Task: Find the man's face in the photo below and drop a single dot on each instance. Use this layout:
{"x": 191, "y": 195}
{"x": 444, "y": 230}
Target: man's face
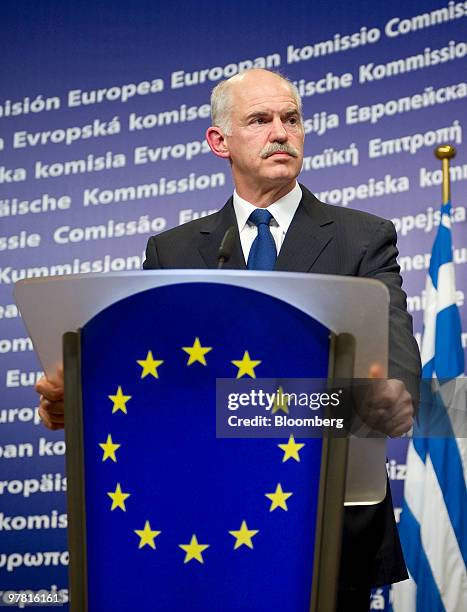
{"x": 266, "y": 144}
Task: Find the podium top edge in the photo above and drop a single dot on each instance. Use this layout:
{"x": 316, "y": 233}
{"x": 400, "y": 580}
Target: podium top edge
{"x": 201, "y": 275}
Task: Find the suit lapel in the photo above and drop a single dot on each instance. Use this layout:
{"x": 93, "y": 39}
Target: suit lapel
{"x": 213, "y": 233}
{"x": 309, "y": 234}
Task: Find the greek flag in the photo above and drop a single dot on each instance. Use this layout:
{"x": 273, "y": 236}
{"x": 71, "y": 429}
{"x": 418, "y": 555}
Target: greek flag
{"x": 433, "y": 525}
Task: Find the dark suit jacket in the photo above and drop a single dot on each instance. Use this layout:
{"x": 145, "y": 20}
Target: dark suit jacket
{"x": 328, "y": 240}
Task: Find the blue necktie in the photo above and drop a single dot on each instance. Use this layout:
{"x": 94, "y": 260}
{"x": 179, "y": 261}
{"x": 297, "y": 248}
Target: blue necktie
{"x": 263, "y": 252}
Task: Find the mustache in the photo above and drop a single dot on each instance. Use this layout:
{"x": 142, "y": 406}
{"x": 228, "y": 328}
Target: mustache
{"x": 278, "y": 147}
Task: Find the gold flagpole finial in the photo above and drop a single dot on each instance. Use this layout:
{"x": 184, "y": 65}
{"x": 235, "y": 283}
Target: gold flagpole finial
{"x": 445, "y": 153}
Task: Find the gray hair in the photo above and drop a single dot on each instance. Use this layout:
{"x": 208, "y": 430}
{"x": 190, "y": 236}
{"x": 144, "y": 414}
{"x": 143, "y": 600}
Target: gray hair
{"x": 221, "y": 100}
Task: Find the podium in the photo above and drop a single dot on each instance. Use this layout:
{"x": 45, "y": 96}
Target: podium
{"x": 163, "y": 513}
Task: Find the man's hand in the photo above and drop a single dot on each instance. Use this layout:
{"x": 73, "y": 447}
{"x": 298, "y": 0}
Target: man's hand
{"x": 386, "y": 406}
{"x": 51, "y": 400}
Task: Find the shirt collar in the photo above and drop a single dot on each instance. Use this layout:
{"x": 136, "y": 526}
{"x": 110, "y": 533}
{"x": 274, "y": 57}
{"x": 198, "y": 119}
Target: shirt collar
{"x": 282, "y": 210}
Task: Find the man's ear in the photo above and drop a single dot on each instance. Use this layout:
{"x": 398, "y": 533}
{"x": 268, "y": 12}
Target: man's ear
{"x": 216, "y": 141}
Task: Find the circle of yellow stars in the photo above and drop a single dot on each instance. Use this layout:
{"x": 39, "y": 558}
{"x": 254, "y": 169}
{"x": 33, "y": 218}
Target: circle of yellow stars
{"x": 243, "y": 536}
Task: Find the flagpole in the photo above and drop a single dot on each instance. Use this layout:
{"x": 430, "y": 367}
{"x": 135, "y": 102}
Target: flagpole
{"x": 445, "y": 153}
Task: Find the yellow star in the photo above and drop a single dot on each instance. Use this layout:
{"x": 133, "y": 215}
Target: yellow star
{"x": 291, "y": 449}
{"x": 147, "y": 536}
{"x": 246, "y": 365}
{"x": 118, "y": 498}
{"x": 280, "y": 402}
{"x": 193, "y": 550}
{"x": 149, "y": 365}
{"x": 196, "y": 352}
{"x": 109, "y": 449}
{"x": 119, "y": 401}
{"x": 243, "y": 536}
{"x": 278, "y": 498}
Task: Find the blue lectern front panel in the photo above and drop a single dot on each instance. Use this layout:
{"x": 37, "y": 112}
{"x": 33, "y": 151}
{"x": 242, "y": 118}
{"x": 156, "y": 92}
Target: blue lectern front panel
{"x": 176, "y": 518}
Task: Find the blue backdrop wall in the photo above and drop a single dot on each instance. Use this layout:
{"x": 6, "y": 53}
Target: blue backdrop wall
{"x": 103, "y": 109}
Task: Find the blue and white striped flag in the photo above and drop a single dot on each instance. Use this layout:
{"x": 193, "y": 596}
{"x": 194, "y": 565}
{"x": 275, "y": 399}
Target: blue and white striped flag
{"x": 433, "y": 525}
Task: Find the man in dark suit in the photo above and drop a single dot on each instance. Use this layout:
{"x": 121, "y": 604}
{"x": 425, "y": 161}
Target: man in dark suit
{"x": 258, "y": 128}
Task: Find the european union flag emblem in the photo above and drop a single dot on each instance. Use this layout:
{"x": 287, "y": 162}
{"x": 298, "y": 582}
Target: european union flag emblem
{"x": 175, "y": 518}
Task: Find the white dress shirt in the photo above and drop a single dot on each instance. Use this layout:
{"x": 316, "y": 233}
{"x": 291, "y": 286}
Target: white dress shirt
{"x": 282, "y": 212}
